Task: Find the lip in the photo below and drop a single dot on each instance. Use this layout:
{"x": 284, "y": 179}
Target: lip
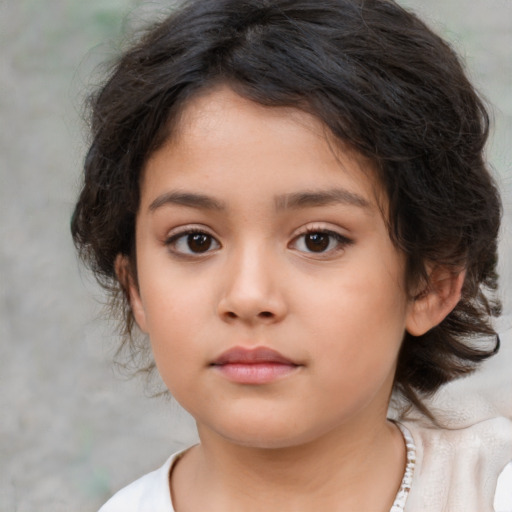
{"x": 260, "y": 365}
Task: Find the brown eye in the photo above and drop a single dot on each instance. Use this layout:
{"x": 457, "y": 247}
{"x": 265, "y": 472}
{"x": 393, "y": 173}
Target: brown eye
{"x": 189, "y": 243}
{"x": 317, "y": 242}
{"x": 320, "y": 242}
{"x": 199, "y": 242}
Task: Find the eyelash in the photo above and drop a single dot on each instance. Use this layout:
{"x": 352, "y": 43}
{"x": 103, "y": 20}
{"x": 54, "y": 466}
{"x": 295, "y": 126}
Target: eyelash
{"x": 341, "y": 241}
{"x": 172, "y": 241}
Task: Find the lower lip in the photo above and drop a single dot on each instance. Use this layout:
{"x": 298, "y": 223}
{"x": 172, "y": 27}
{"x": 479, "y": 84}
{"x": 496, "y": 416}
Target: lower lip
{"x": 255, "y": 373}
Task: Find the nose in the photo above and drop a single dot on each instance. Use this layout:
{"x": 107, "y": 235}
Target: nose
{"x": 252, "y": 291}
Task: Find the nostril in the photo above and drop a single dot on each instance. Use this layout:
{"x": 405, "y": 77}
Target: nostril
{"x": 266, "y": 314}
{"x": 230, "y": 314}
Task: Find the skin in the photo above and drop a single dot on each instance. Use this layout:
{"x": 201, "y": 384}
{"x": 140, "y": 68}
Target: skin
{"x": 243, "y": 175}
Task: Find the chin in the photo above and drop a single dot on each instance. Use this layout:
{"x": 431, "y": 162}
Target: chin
{"x": 263, "y": 442}
{"x": 268, "y": 435}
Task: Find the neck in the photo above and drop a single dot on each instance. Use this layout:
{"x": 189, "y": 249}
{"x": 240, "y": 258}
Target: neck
{"x": 331, "y": 473}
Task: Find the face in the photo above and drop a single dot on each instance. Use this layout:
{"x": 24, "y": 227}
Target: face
{"x": 271, "y": 292}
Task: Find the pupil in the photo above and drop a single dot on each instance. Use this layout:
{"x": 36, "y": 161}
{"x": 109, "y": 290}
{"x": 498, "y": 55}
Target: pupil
{"x": 317, "y": 242}
{"x": 199, "y": 242}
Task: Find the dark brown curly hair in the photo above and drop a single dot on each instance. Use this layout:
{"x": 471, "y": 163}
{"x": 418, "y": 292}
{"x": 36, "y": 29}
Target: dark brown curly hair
{"x": 379, "y": 79}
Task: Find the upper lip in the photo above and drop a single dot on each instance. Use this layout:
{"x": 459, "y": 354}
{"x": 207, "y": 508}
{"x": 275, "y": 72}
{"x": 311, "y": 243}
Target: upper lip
{"x": 242, "y": 355}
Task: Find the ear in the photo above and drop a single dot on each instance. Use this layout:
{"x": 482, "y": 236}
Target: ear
{"x": 438, "y": 298}
{"x": 127, "y": 280}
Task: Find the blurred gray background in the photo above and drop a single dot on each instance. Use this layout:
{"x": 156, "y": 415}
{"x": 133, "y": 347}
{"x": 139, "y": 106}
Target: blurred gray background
{"x": 72, "y": 430}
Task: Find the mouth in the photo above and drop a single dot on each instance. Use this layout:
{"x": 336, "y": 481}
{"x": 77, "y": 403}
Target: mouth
{"x": 260, "y": 365}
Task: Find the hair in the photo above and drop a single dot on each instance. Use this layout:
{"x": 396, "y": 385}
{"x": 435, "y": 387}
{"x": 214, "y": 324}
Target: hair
{"x": 380, "y": 80}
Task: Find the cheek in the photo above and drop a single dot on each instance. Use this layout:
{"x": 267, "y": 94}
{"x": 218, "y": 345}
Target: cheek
{"x": 172, "y": 319}
{"x": 171, "y": 295}
{"x": 359, "y": 305}
{"x": 361, "y": 323}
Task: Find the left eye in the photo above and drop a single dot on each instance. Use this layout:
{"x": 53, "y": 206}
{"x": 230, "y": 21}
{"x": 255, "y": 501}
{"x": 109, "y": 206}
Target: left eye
{"x": 320, "y": 242}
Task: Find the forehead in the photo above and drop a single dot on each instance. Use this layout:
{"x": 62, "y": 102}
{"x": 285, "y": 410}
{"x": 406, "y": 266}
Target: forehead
{"x": 222, "y": 134}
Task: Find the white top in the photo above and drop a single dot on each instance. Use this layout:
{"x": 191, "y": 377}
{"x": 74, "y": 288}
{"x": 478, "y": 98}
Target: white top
{"x": 468, "y": 469}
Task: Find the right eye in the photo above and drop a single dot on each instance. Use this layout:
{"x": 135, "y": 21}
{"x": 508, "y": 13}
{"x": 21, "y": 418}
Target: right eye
{"x": 192, "y": 242}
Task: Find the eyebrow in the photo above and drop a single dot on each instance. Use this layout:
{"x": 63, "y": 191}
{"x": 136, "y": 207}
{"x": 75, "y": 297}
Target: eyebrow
{"x": 308, "y": 199}
{"x": 295, "y": 200}
{"x": 190, "y": 199}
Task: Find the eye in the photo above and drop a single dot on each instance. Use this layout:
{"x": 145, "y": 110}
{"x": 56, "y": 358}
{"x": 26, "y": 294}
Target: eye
{"x": 192, "y": 242}
{"x": 320, "y": 241}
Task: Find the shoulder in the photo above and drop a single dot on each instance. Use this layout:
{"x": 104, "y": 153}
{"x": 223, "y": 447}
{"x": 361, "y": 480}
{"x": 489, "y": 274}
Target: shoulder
{"x": 503, "y": 496}
{"x": 480, "y": 439}
{"x": 150, "y": 492}
{"x": 462, "y": 468}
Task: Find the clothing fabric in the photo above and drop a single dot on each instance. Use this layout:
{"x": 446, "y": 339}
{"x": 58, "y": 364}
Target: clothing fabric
{"x": 459, "y": 469}
{"x": 467, "y": 469}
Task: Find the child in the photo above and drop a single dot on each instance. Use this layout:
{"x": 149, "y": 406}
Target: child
{"x": 289, "y": 198}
